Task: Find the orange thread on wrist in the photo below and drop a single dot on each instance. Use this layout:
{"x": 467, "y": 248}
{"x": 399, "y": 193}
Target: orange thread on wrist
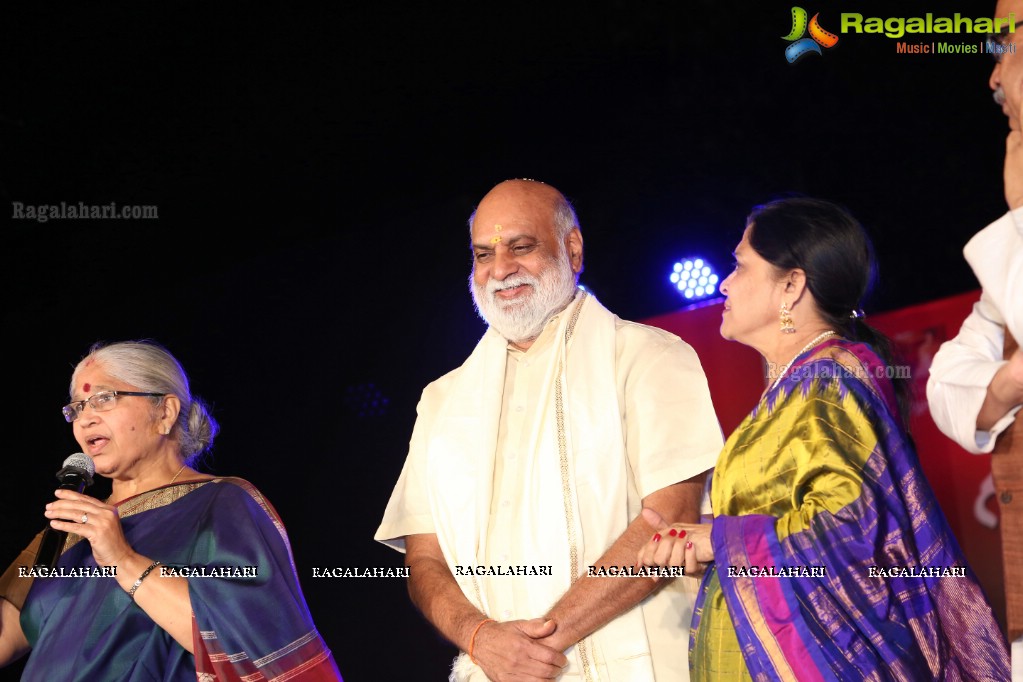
{"x": 472, "y": 639}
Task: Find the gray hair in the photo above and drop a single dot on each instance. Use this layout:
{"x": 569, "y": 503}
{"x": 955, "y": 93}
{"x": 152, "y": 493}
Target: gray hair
{"x": 151, "y": 367}
{"x": 564, "y": 217}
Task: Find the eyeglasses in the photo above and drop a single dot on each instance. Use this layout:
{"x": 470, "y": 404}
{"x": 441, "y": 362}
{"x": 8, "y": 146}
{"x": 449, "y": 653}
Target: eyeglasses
{"x": 101, "y": 402}
{"x": 997, "y": 44}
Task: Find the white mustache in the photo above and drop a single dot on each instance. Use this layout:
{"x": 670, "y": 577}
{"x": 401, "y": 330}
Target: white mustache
{"x": 494, "y": 285}
{"x": 998, "y": 96}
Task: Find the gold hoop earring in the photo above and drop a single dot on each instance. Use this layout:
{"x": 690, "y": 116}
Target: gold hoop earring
{"x": 785, "y": 317}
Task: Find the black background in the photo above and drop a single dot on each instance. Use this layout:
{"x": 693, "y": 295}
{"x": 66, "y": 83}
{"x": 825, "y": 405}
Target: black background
{"x": 313, "y": 168}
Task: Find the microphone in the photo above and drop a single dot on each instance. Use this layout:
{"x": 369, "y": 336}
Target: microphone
{"x": 76, "y": 475}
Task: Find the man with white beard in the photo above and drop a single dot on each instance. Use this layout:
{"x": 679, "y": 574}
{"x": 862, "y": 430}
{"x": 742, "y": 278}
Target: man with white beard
{"x": 518, "y": 505}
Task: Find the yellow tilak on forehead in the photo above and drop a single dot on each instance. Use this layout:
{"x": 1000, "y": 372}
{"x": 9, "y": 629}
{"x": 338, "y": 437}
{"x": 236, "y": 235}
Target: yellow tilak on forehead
{"x": 497, "y": 239}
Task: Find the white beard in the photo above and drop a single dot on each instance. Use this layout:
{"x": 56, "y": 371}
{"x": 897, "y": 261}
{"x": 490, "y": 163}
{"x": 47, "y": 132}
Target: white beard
{"x": 523, "y": 318}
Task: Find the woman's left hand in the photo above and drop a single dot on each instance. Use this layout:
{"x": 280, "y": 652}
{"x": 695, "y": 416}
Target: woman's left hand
{"x": 678, "y": 544}
{"x": 93, "y": 520}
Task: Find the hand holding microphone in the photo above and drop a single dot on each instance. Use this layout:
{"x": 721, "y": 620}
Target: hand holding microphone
{"x": 92, "y": 519}
{"x": 75, "y": 475}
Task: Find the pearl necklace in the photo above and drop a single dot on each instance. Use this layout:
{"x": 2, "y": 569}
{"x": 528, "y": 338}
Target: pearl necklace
{"x": 814, "y": 342}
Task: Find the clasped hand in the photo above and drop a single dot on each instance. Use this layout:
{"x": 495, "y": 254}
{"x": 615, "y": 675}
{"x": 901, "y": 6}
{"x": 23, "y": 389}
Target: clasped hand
{"x": 677, "y": 544}
{"x": 101, "y": 527}
{"x": 513, "y": 650}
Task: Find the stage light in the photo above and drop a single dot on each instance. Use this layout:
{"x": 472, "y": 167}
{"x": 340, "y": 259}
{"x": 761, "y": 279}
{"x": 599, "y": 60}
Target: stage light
{"x": 694, "y": 278}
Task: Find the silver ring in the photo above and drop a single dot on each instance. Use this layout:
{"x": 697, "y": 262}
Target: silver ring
{"x": 85, "y": 518}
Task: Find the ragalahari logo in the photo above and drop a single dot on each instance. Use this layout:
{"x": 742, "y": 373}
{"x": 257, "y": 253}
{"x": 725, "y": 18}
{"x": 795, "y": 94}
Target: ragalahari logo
{"x": 803, "y": 46}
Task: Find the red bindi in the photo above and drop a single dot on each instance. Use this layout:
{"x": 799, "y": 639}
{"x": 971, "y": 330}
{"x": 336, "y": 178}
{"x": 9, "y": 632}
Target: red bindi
{"x": 86, "y": 387}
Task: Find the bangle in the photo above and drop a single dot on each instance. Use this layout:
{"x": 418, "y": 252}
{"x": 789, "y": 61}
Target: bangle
{"x": 135, "y": 586}
{"x": 472, "y": 639}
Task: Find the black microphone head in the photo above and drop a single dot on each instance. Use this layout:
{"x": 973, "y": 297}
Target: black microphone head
{"x": 80, "y": 464}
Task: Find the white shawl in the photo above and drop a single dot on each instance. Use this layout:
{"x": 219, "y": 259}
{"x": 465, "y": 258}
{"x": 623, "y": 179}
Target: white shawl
{"x": 577, "y": 504}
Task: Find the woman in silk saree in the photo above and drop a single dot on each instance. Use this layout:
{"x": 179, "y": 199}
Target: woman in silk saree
{"x": 828, "y": 557}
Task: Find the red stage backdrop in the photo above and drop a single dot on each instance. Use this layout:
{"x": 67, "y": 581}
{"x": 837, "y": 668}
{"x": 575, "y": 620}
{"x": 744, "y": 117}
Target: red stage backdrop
{"x": 961, "y": 481}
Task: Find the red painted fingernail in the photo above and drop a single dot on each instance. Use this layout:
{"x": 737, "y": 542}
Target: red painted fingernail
{"x": 681, "y": 533}
{"x": 657, "y": 537}
{"x": 672, "y": 532}
{"x": 689, "y": 545}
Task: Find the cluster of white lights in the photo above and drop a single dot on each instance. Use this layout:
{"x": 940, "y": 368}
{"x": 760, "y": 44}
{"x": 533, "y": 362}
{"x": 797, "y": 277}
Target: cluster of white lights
{"x": 694, "y": 278}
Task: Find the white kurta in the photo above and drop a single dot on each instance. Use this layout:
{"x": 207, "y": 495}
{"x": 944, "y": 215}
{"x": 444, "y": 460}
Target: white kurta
{"x": 486, "y": 473}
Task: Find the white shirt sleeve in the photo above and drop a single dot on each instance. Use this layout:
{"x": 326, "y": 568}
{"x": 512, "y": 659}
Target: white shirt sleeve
{"x": 671, "y": 430}
{"x": 960, "y": 374}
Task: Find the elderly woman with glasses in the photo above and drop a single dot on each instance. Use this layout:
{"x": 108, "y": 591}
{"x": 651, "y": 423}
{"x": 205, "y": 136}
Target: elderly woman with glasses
{"x": 188, "y": 575}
